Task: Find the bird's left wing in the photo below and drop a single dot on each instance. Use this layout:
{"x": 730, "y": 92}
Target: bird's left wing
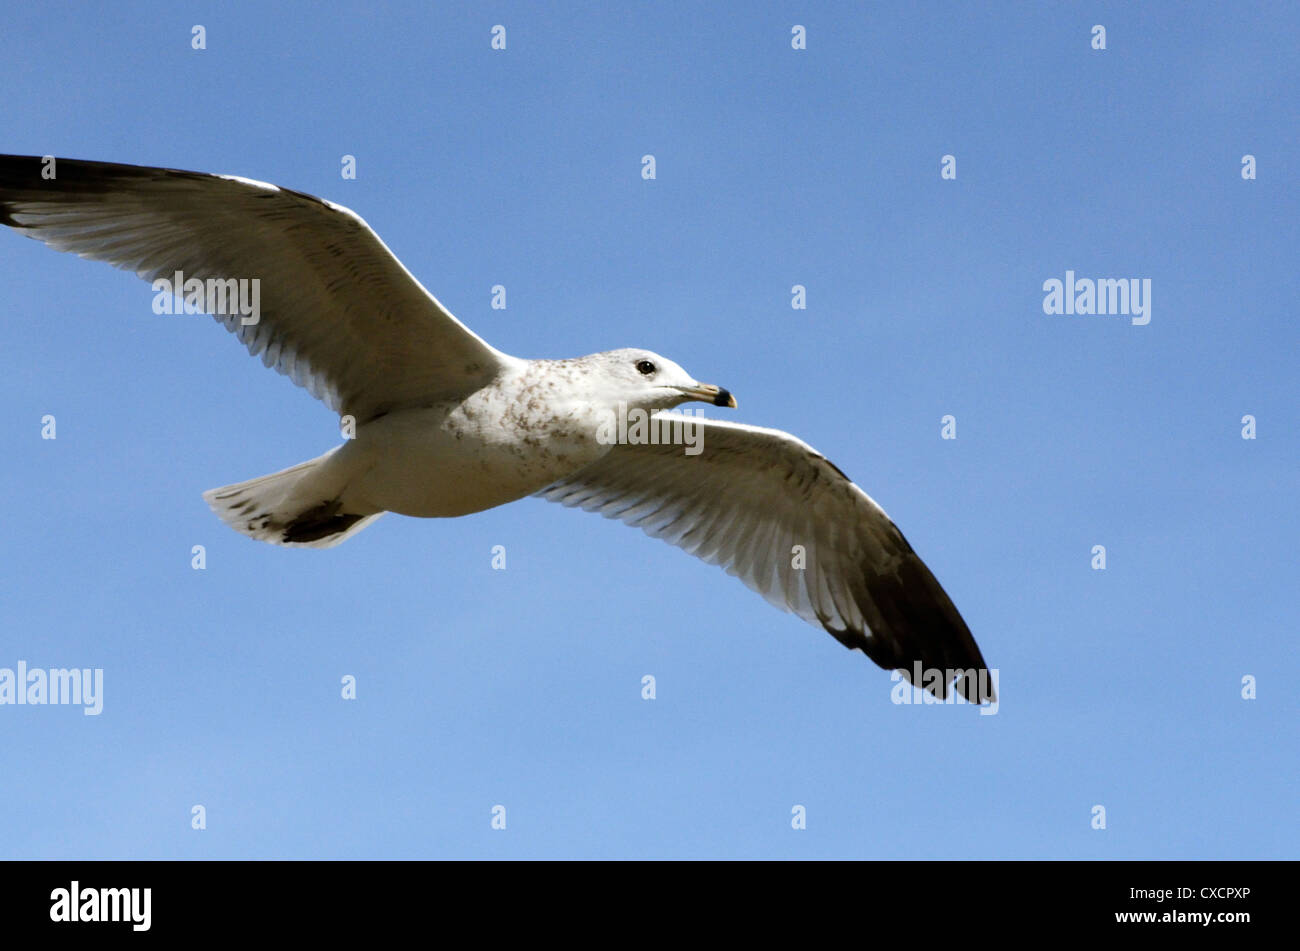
{"x": 777, "y": 514}
{"x": 339, "y": 314}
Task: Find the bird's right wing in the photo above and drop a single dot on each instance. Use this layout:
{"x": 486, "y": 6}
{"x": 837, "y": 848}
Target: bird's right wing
{"x": 339, "y": 314}
{"x": 777, "y": 514}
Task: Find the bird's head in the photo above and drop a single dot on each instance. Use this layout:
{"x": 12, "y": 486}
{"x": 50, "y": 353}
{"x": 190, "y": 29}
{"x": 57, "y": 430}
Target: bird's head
{"x": 645, "y": 380}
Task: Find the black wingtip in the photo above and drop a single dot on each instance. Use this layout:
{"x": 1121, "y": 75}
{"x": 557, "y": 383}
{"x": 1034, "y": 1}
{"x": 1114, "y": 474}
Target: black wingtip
{"x": 914, "y": 628}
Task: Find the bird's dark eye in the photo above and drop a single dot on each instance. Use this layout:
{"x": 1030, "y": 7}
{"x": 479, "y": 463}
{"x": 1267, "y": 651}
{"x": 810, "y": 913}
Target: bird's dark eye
{"x": 645, "y": 366}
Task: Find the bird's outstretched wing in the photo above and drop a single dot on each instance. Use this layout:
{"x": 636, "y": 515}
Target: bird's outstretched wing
{"x": 339, "y": 314}
{"x": 747, "y": 499}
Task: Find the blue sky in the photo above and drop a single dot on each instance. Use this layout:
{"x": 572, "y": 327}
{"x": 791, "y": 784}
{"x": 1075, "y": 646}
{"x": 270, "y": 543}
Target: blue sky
{"x": 775, "y": 167}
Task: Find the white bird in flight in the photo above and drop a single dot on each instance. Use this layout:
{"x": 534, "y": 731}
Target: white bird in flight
{"x": 446, "y": 424}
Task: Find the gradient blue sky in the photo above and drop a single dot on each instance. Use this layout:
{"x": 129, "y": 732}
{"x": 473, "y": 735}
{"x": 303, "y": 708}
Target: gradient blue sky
{"x": 775, "y": 167}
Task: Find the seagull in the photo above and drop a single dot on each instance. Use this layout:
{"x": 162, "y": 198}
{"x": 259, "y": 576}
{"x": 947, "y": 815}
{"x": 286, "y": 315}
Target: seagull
{"x": 442, "y": 424}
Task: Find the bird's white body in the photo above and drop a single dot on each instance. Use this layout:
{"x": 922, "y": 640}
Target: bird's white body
{"x": 503, "y": 442}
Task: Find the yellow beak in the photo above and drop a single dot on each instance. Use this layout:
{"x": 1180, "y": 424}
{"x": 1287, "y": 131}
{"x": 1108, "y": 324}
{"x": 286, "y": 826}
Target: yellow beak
{"x": 708, "y": 393}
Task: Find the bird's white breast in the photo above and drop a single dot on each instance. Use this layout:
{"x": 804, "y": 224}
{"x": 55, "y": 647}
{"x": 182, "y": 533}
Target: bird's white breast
{"x": 504, "y": 442}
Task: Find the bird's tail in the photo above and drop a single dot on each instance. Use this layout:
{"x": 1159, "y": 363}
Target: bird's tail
{"x": 300, "y": 507}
